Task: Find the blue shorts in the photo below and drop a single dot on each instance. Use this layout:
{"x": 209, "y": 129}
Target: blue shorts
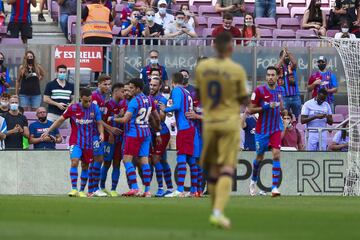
{"x": 98, "y": 146}
{"x": 197, "y": 144}
{"x": 30, "y": 101}
{"x": 264, "y": 141}
{"x": 108, "y": 151}
{"x": 85, "y": 155}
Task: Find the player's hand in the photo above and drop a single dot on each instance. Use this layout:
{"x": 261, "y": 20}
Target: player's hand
{"x": 121, "y": 113}
{"x": 116, "y": 131}
{"x": 158, "y": 140}
{"x": 273, "y": 104}
{"x": 191, "y": 115}
{"x": 162, "y": 106}
{"x": 317, "y": 82}
{"x": 61, "y": 106}
{"x": 101, "y": 137}
{"x": 111, "y": 139}
{"x": 45, "y": 134}
{"x": 47, "y": 139}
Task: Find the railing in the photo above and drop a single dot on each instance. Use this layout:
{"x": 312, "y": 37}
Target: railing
{"x": 320, "y": 131}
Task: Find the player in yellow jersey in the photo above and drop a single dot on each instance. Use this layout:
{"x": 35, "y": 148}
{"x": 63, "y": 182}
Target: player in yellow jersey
{"x": 222, "y": 88}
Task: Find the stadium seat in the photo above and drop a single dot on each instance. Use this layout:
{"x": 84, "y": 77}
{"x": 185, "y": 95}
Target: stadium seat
{"x": 55, "y": 9}
{"x": 250, "y": 9}
{"x": 11, "y": 41}
{"x": 71, "y": 22}
{"x": 288, "y": 23}
{"x": 331, "y": 33}
{"x": 238, "y": 22}
{"x": 202, "y": 24}
{"x": 342, "y": 109}
{"x": 294, "y": 3}
{"x": 282, "y": 12}
{"x": 199, "y": 3}
{"x": 266, "y": 33}
{"x": 283, "y": 33}
{"x": 215, "y": 22}
{"x": 297, "y": 12}
{"x": 207, "y": 32}
{"x": 116, "y": 31}
{"x": 265, "y": 22}
{"x": 30, "y": 115}
{"x": 208, "y": 11}
{"x": 119, "y": 8}
{"x": 305, "y": 33}
{"x": 338, "y": 118}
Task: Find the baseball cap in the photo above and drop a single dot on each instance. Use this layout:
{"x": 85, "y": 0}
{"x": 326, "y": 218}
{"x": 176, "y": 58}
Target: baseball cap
{"x": 322, "y": 58}
{"x": 162, "y": 2}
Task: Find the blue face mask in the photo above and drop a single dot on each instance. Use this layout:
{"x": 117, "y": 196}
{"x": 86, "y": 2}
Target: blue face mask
{"x": 14, "y": 107}
{"x": 62, "y": 76}
{"x": 131, "y": 5}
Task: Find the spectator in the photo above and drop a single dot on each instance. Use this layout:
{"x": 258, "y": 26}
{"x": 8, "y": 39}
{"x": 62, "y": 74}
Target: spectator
{"x": 39, "y": 127}
{"x": 316, "y": 113}
{"x": 97, "y": 23}
{"x": 168, "y": 2}
{"x": 265, "y": 8}
{"x": 58, "y": 94}
{"x": 248, "y": 123}
{"x": 250, "y": 31}
{"x": 180, "y": 30}
{"x": 290, "y": 136}
{"x": 287, "y": 66}
{"x": 340, "y": 141}
{"x": 4, "y": 103}
{"x": 152, "y": 29}
{"x": 27, "y": 85}
{"x": 132, "y": 28}
{"x": 227, "y": 27}
{"x": 154, "y": 72}
{"x": 162, "y": 17}
{"x": 2, "y": 13}
{"x": 323, "y": 79}
{"x": 126, "y": 11}
{"x": 314, "y": 18}
{"x": 191, "y": 89}
{"x": 3, "y": 131}
{"x": 344, "y": 32}
{"x": 67, "y": 8}
{"x": 142, "y": 5}
{"x": 190, "y": 17}
{"x": 20, "y": 23}
{"x": 145, "y": 72}
{"x": 17, "y": 126}
{"x": 345, "y": 10}
{"x": 235, "y": 7}
{"x": 4, "y": 75}
{"x": 40, "y": 15}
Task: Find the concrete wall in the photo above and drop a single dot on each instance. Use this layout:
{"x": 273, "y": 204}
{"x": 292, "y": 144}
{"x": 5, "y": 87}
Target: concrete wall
{"x": 47, "y": 172}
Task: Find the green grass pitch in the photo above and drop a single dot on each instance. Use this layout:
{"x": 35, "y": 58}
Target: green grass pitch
{"x": 290, "y": 218}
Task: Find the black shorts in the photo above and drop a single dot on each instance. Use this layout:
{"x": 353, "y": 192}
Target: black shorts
{"x": 15, "y": 28}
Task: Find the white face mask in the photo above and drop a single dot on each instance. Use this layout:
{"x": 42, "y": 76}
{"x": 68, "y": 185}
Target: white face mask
{"x": 166, "y": 95}
{"x": 248, "y": 23}
{"x": 180, "y": 22}
{"x": 345, "y": 30}
{"x": 162, "y": 11}
{"x": 4, "y": 104}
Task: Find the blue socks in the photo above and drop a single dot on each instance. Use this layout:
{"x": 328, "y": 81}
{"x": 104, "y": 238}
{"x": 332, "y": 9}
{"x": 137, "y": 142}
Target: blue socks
{"x": 181, "y": 168}
{"x": 74, "y": 177}
{"x": 276, "y": 170}
{"x": 84, "y": 178}
{"x": 255, "y": 173}
{"x": 146, "y": 172}
{"x": 159, "y": 174}
{"x": 103, "y": 176}
{"x": 131, "y": 174}
{"x": 115, "y": 178}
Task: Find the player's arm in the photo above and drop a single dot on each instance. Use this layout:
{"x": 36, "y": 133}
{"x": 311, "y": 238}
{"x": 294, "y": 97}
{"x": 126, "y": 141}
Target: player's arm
{"x": 100, "y": 126}
{"x": 110, "y": 129}
{"x": 255, "y": 106}
{"x": 155, "y": 121}
{"x": 125, "y": 119}
{"x": 329, "y": 119}
{"x": 54, "y": 126}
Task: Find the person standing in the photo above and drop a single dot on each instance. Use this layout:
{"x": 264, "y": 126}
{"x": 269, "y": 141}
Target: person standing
{"x": 27, "y": 85}
{"x": 265, "y": 8}
{"x": 67, "y": 8}
{"x": 235, "y": 7}
{"x": 58, "y": 94}
{"x": 221, "y": 100}
{"x": 4, "y": 75}
{"x": 162, "y": 17}
{"x": 248, "y": 125}
{"x": 266, "y": 100}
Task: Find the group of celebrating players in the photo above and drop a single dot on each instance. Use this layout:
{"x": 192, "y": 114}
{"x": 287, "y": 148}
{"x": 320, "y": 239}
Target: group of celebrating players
{"x": 130, "y": 127}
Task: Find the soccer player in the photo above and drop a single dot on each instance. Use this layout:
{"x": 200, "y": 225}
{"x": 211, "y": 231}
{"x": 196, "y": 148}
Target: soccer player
{"x": 158, "y": 151}
{"x": 113, "y": 143}
{"x": 222, "y": 89}
{"x": 267, "y": 101}
{"x": 182, "y": 103}
{"x": 138, "y": 137}
{"x": 84, "y": 117}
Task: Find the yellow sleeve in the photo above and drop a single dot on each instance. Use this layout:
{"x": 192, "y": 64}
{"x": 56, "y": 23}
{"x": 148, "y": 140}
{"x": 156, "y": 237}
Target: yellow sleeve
{"x": 197, "y": 76}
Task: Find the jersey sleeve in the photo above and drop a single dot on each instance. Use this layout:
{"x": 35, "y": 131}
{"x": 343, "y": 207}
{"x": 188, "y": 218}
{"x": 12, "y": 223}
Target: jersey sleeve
{"x": 242, "y": 84}
{"x": 108, "y": 112}
{"x": 256, "y": 97}
{"x": 312, "y": 79}
{"x": 25, "y": 121}
{"x": 68, "y": 112}
{"x": 97, "y": 113}
{"x": 132, "y": 107}
{"x": 333, "y": 79}
{"x": 305, "y": 110}
{"x": 176, "y": 99}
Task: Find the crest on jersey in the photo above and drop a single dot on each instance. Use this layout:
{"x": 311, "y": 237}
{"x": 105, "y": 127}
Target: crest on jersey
{"x": 253, "y": 96}
{"x": 95, "y": 102}
{"x": 156, "y": 102}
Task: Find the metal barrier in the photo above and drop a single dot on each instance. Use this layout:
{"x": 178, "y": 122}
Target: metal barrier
{"x": 320, "y": 131}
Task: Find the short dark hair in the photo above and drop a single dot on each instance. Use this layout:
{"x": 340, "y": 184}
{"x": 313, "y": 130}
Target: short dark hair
{"x": 153, "y": 50}
{"x": 60, "y": 66}
{"x": 138, "y": 82}
{"x": 222, "y": 40}
{"x": 178, "y": 78}
{"x": 323, "y": 91}
{"x": 184, "y": 70}
{"x": 103, "y": 78}
{"x": 116, "y": 86}
{"x": 5, "y": 95}
{"x": 272, "y": 68}
{"x": 228, "y": 16}
{"x": 154, "y": 70}
{"x": 179, "y": 13}
{"x": 85, "y": 92}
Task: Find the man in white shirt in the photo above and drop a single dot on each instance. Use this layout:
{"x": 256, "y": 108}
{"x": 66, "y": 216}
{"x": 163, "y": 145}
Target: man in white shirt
{"x": 180, "y": 30}
{"x": 316, "y": 113}
{"x": 162, "y": 17}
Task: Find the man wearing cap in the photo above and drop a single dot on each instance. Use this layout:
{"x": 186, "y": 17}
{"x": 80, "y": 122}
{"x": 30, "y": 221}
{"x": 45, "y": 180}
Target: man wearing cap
{"x": 323, "y": 79}
{"x": 162, "y": 17}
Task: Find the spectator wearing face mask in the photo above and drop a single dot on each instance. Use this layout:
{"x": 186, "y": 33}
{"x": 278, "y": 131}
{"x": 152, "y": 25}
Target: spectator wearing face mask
{"x": 27, "y": 85}
{"x": 191, "y": 89}
{"x": 126, "y": 11}
{"x": 290, "y": 136}
{"x": 162, "y": 17}
{"x": 17, "y": 126}
{"x": 132, "y": 28}
{"x": 344, "y": 33}
{"x": 316, "y": 113}
{"x": 249, "y": 31}
{"x": 145, "y": 72}
{"x": 152, "y": 29}
{"x": 4, "y": 103}
{"x": 4, "y": 75}
{"x": 39, "y": 127}
{"x": 227, "y": 27}
{"x": 325, "y": 79}
{"x": 180, "y": 30}
{"x": 340, "y": 141}
{"x": 190, "y": 17}
{"x": 58, "y": 94}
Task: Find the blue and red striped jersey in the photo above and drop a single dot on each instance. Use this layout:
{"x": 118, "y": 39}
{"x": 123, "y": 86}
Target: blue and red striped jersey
{"x": 160, "y": 99}
{"x": 290, "y": 89}
{"x": 182, "y": 102}
{"x": 113, "y": 108}
{"x": 20, "y": 12}
{"x": 328, "y": 81}
{"x": 140, "y": 107}
{"x": 269, "y": 120}
{"x": 83, "y": 122}
{"x": 99, "y": 99}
